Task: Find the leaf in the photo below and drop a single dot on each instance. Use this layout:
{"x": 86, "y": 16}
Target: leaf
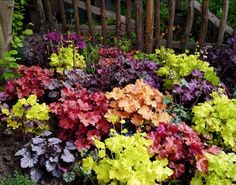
{"x": 35, "y": 174}
{"x": 67, "y": 156}
{"x": 50, "y": 166}
{"x": 69, "y": 176}
{"x": 27, "y": 32}
{"x": 21, "y": 152}
{"x": 37, "y": 140}
{"x": 28, "y": 162}
{"x": 40, "y": 150}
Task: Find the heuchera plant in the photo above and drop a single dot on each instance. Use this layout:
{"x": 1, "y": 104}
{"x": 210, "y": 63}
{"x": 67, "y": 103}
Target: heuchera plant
{"x": 33, "y": 81}
{"x": 126, "y": 160}
{"x": 28, "y": 115}
{"x": 45, "y": 153}
{"x": 193, "y": 88}
{"x": 180, "y": 144}
{"x": 138, "y": 102}
{"x": 174, "y": 67}
{"x": 67, "y": 58}
{"x": 217, "y": 119}
{"x": 81, "y": 112}
{"x": 221, "y": 170}
{"x": 39, "y": 49}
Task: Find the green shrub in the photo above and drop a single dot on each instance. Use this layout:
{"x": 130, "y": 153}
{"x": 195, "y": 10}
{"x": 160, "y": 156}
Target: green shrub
{"x": 16, "y": 179}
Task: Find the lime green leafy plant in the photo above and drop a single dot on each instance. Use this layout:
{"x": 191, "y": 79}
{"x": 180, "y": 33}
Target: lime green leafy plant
{"x": 221, "y": 170}
{"x": 176, "y": 66}
{"x": 28, "y": 115}
{"x": 217, "y": 119}
{"x": 67, "y": 58}
{"x": 127, "y": 162}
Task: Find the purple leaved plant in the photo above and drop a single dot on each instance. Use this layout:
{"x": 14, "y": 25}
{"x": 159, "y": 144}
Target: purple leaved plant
{"x": 193, "y": 89}
{"x": 45, "y": 153}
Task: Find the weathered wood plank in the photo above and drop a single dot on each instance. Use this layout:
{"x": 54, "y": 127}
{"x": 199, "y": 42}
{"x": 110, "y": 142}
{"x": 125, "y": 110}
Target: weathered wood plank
{"x": 90, "y": 20}
{"x": 103, "y": 18}
{"x": 63, "y": 16}
{"x": 128, "y": 17}
{"x": 157, "y": 23}
{"x": 204, "y": 23}
{"x": 213, "y": 18}
{"x": 189, "y": 23}
{"x": 223, "y": 22}
{"x": 149, "y": 26}
{"x": 96, "y": 10}
{"x": 76, "y": 12}
{"x": 139, "y": 24}
{"x": 118, "y": 18}
{"x": 171, "y": 4}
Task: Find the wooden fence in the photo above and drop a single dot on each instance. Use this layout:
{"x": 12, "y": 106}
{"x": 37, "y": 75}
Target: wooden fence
{"x": 147, "y": 28}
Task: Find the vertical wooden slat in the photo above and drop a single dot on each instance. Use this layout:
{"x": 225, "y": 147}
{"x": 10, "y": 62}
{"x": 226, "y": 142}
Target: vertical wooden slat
{"x": 204, "y": 23}
{"x": 76, "y": 13}
{"x": 189, "y": 23}
{"x": 149, "y": 26}
{"x": 128, "y": 17}
{"x": 157, "y": 23}
{"x": 41, "y": 14}
{"x": 118, "y": 18}
{"x": 139, "y": 23}
{"x": 170, "y": 22}
{"x": 223, "y": 22}
{"x": 48, "y": 11}
{"x": 63, "y": 16}
{"x": 103, "y": 17}
{"x": 90, "y": 20}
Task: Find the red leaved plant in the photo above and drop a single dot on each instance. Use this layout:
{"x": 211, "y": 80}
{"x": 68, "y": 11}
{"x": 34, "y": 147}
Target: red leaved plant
{"x": 81, "y": 112}
{"x": 182, "y": 146}
{"x": 32, "y": 81}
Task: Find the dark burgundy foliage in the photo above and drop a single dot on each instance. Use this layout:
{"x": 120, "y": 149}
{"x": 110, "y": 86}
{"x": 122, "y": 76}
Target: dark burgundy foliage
{"x": 223, "y": 59}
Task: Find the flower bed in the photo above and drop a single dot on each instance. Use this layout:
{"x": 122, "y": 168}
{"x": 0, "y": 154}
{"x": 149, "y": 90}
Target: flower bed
{"x": 105, "y": 116}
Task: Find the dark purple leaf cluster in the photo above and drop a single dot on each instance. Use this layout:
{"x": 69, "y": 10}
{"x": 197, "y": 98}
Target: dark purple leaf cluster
{"x": 48, "y": 153}
{"x": 193, "y": 88}
{"x": 224, "y": 61}
{"x": 39, "y": 48}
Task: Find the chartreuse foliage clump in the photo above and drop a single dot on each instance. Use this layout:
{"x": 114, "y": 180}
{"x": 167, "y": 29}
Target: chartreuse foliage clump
{"x": 176, "y": 66}
{"x": 217, "y": 119}
{"x": 67, "y": 58}
{"x": 28, "y": 115}
{"x": 221, "y": 170}
{"x": 126, "y": 160}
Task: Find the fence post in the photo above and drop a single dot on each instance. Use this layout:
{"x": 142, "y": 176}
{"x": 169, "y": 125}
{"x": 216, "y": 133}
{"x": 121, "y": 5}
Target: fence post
{"x": 90, "y": 20}
{"x": 103, "y": 17}
{"x": 139, "y": 23}
{"x": 204, "y": 23}
{"x": 48, "y": 11}
{"x": 189, "y": 23}
{"x": 63, "y": 16}
{"x": 171, "y": 4}
{"x": 118, "y": 18}
{"x": 76, "y": 13}
{"x": 223, "y": 22}
{"x": 149, "y": 26}
{"x": 157, "y": 23}
{"x": 128, "y": 17}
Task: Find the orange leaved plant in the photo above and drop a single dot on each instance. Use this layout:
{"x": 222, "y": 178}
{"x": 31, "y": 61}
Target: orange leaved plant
{"x": 138, "y": 102}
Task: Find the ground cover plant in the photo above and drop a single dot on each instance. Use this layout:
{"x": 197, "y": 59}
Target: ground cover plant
{"x": 102, "y": 115}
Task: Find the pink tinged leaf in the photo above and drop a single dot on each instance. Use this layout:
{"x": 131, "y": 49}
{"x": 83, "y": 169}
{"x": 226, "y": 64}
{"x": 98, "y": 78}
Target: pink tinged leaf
{"x": 66, "y": 123}
{"x": 214, "y": 150}
{"x": 202, "y": 164}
